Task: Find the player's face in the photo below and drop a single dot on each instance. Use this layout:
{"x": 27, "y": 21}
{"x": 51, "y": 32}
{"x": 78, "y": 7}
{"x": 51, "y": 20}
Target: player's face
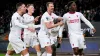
{"x": 23, "y": 8}
{"x": 73, "y": 7}
{"x": 31, "y": 9}
{"x": 51, "y": 7}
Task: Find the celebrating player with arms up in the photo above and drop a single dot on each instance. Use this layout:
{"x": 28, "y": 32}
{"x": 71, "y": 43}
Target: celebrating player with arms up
{"x": 73, "y": 20}
{"x": 30, "y": 38}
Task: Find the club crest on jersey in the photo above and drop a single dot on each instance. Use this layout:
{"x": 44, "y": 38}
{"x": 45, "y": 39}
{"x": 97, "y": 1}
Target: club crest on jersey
{"x": 47, "y": 18}
{"x": 17, "y": 18}
{"x": 77, "y": 15}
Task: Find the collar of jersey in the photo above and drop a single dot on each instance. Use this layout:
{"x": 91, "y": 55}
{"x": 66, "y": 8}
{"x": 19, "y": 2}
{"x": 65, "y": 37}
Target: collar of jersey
{"x": 71, "y": 12}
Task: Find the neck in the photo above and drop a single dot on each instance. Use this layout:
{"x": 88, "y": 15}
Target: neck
{"x": 20, "y": 13}
{"x": 29, "y": 13}
{"x": 71, "y": 12}
{"x": 49, "y": 12}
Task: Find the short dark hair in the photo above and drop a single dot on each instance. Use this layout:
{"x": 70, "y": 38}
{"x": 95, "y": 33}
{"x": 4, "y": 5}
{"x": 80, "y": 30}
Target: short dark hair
{"x": 19, "y": 4}
{"x": 47, "y": 4}
{"x": 69, "y": 4}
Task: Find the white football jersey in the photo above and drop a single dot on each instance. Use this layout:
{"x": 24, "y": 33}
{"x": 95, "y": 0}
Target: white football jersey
{"x": 29, "y": 20}
{"x": 16, "y": 24}
{"x": 47, "y": 18}
{"x": 74, "y": 22}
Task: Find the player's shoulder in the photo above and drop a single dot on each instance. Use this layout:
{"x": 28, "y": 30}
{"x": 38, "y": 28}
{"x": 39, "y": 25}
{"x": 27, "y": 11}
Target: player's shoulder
{"x": 45, "y": 15}
{"x": 15, "y": 15}
{"x": 53, "y": 14}
{"x": 66, "y": 14}
{"x": 25, "y": 15}
{"x": 78, "y": 13}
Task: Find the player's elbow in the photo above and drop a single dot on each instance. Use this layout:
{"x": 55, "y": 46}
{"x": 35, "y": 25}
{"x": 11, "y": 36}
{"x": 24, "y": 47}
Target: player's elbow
{"x": 16, "y": 24}
{"x": 87, "y": 22}
{"x": 49, "y": 27}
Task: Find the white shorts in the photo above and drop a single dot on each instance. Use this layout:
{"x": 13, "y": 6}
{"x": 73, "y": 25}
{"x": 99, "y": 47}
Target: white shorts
{"x": 9, "y": 47}
{"x": 30, "y": 40}
{"x": 44, "y": 39}
{"x": 77, "y": 40}
{"x": 53, "y": 39}
{"x": 16, "y": 42}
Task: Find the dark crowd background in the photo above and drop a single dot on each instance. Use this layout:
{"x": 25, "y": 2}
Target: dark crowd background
{"x": 90, "y": 9}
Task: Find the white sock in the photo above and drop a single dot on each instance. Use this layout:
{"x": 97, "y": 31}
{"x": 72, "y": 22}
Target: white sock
{"x": 75, "y": 55}
{"x": 7, "y": 55}
{"x": 27, "y": 54}
{"x": 49, "y": 54}
{"x": 38, "y": 53}
{"x": 21, "y": 55}
{"x": 44, "y": 54}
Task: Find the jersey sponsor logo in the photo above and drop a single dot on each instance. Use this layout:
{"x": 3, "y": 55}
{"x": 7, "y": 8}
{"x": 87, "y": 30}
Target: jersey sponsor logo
{"x": 74, "y": 21}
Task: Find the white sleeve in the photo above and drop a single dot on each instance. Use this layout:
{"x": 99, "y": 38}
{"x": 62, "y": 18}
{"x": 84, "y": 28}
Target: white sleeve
{"x": 37, "y": 26}
{"x": 17, "y": 23}
{"x": 27, "y": 19}
{"x": 64, "y": 19}
{"x": 60, "y": 31}
{"x": 86, "y": 21}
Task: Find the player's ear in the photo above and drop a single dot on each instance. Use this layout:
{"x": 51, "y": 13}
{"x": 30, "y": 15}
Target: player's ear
{"x": 69, "y": 7}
